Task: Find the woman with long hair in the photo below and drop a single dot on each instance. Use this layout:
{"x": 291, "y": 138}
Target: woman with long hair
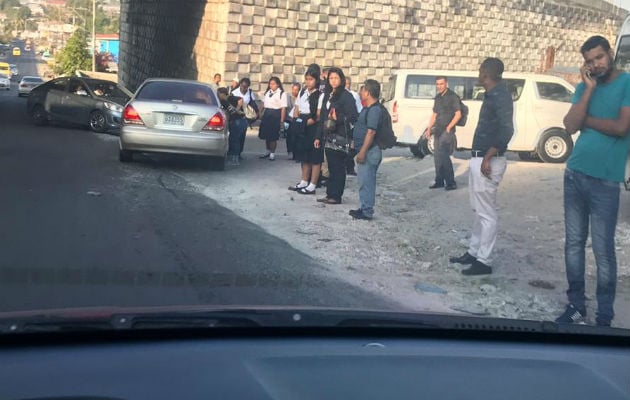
{"x": 274, "y": 112}
{"x": 304, "y": 128}
{"x": 338, "y": 114}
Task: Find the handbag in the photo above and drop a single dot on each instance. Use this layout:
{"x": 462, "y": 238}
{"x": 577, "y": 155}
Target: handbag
{"x": 250, "y": 113}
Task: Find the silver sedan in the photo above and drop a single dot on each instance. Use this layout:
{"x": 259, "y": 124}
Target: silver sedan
{"x": 174, "y": 116}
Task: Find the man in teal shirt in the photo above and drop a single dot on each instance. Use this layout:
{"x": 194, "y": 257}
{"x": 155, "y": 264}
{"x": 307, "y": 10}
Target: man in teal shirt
{"x": 601, "y": 112}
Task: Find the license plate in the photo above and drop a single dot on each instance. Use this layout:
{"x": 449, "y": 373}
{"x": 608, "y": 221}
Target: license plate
{"x": 174, "y": 119}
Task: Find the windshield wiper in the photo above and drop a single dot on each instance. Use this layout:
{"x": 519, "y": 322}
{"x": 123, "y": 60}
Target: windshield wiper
{"x": 285, "y": 317}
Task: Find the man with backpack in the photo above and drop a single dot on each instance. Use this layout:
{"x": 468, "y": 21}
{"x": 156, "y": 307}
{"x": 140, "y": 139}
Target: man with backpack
{"x": 370, "y": 122}
{"x": 447, "y": 111}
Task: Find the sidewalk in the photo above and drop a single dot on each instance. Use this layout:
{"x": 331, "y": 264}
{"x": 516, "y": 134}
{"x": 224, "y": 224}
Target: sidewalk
{"x": 403, "y": 253}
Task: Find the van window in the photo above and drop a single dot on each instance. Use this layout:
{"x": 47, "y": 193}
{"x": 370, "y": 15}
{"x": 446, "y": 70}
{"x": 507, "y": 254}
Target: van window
{"x": 420, "y": 87}
{"x": 553, "y": 91}
{"x": 515, "y": 87}
{"x": 458, "y": 85}
{"x": 622, "y": 58}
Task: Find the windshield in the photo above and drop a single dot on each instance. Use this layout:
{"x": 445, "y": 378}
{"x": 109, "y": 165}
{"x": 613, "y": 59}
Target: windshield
{"x": 107, "y": 89}
{"x": 241, "y": 159}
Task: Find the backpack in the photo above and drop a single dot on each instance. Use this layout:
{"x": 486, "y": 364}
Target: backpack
{"x": 385, "y": 138}
{"x": 464, "y": 110}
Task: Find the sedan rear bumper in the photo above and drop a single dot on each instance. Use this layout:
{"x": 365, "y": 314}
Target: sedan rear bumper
{"x": 138, "y": 138}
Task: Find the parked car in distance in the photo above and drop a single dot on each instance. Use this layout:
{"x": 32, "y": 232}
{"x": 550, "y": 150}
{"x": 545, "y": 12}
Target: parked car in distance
{"x": 540, "y": 104}
{"x": 93, "y": 102}
{"x": 5, "y": 82}
{"x": 14, "y": 69}
{"x": 175, "y": 116}
{"x": 27, "y": 84}
{"x": 17, "y": 51}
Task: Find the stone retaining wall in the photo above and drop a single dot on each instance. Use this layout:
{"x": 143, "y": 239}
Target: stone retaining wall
{"x": 260, "y": 38}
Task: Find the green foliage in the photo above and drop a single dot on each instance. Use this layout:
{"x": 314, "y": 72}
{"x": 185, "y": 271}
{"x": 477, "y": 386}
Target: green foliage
{"x": 74, "y": 56}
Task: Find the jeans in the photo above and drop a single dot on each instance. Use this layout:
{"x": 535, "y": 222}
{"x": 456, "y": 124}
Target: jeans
{"x": 444, "y": 142}
{"x": 483, "y": 200}
{"x": 337, "y": 174}
{"x": 238, "y": 128}
{"x": 596, "y": 199}
{"x": 366, "y": 174}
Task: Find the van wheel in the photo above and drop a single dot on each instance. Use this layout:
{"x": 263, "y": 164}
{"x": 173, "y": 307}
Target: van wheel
{"x": 555, "y": 146}
{"x": 426, "y": 146}
{"x": 415, "y": 150}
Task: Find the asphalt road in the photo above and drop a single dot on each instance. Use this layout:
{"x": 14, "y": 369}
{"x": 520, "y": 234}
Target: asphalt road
{"x": 80, "y": 229}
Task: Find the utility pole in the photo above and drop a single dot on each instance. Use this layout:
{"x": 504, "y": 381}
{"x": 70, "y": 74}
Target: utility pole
{"x": 93, "y": 35}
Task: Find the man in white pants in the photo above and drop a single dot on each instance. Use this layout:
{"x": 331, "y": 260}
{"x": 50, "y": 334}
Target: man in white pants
{"x": 487, "y": 165}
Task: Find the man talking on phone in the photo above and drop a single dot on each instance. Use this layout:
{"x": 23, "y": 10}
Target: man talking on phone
{"x": 601, "y": 112}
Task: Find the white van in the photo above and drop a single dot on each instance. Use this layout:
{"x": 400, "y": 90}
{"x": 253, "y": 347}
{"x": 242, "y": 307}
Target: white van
{"x": 540, "y": 104}
{"x": 622, "y": 60}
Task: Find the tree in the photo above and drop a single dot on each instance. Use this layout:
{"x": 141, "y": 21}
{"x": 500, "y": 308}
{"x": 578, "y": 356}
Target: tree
{"x": 74, "y": 56}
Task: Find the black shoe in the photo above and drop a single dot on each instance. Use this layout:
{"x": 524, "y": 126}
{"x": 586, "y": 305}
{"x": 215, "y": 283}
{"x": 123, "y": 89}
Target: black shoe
{"x": 306, "y": 191}
{"x": 358, "y": 214}
{"x": 477, "y": 268}
{"x": 436, "y": 186}
{"x": 571, "y": 316}
{"x": 265, "y": 156}
{"x": 450, "y": 187}
{"x": 465, "y": 259}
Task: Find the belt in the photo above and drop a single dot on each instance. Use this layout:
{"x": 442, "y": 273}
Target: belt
{"x": 482, "y": 153}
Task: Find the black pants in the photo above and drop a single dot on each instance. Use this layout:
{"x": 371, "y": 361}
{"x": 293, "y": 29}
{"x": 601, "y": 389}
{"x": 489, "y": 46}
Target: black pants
{"x": 337, "y": 168}
{"x": 443, "y": 146}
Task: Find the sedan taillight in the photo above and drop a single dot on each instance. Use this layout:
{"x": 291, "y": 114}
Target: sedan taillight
{"x": 131, "y": 116}
{"x": 216, "y": 123}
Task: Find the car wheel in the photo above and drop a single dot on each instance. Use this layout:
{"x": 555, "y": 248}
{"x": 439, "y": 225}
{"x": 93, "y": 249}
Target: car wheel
{"x": 217, "y": 163}
{"x": 98, "y": 123}
{"x": 125, "y": 156}
{"x": 555, "y": 146}
{"x": 39, "y": 115}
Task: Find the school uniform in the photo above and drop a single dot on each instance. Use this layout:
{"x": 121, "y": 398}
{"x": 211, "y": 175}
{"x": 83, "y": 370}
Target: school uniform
{"x": 274, "y": 102}
{"x": 305, "y": 135}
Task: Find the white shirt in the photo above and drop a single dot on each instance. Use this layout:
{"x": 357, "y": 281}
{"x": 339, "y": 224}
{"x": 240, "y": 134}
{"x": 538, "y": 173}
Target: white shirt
{"x": 357, "y": 99}
{"x": 303, "y": 104}
{"x": 247, "y": 98}
{"x": 275, "y": 100}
